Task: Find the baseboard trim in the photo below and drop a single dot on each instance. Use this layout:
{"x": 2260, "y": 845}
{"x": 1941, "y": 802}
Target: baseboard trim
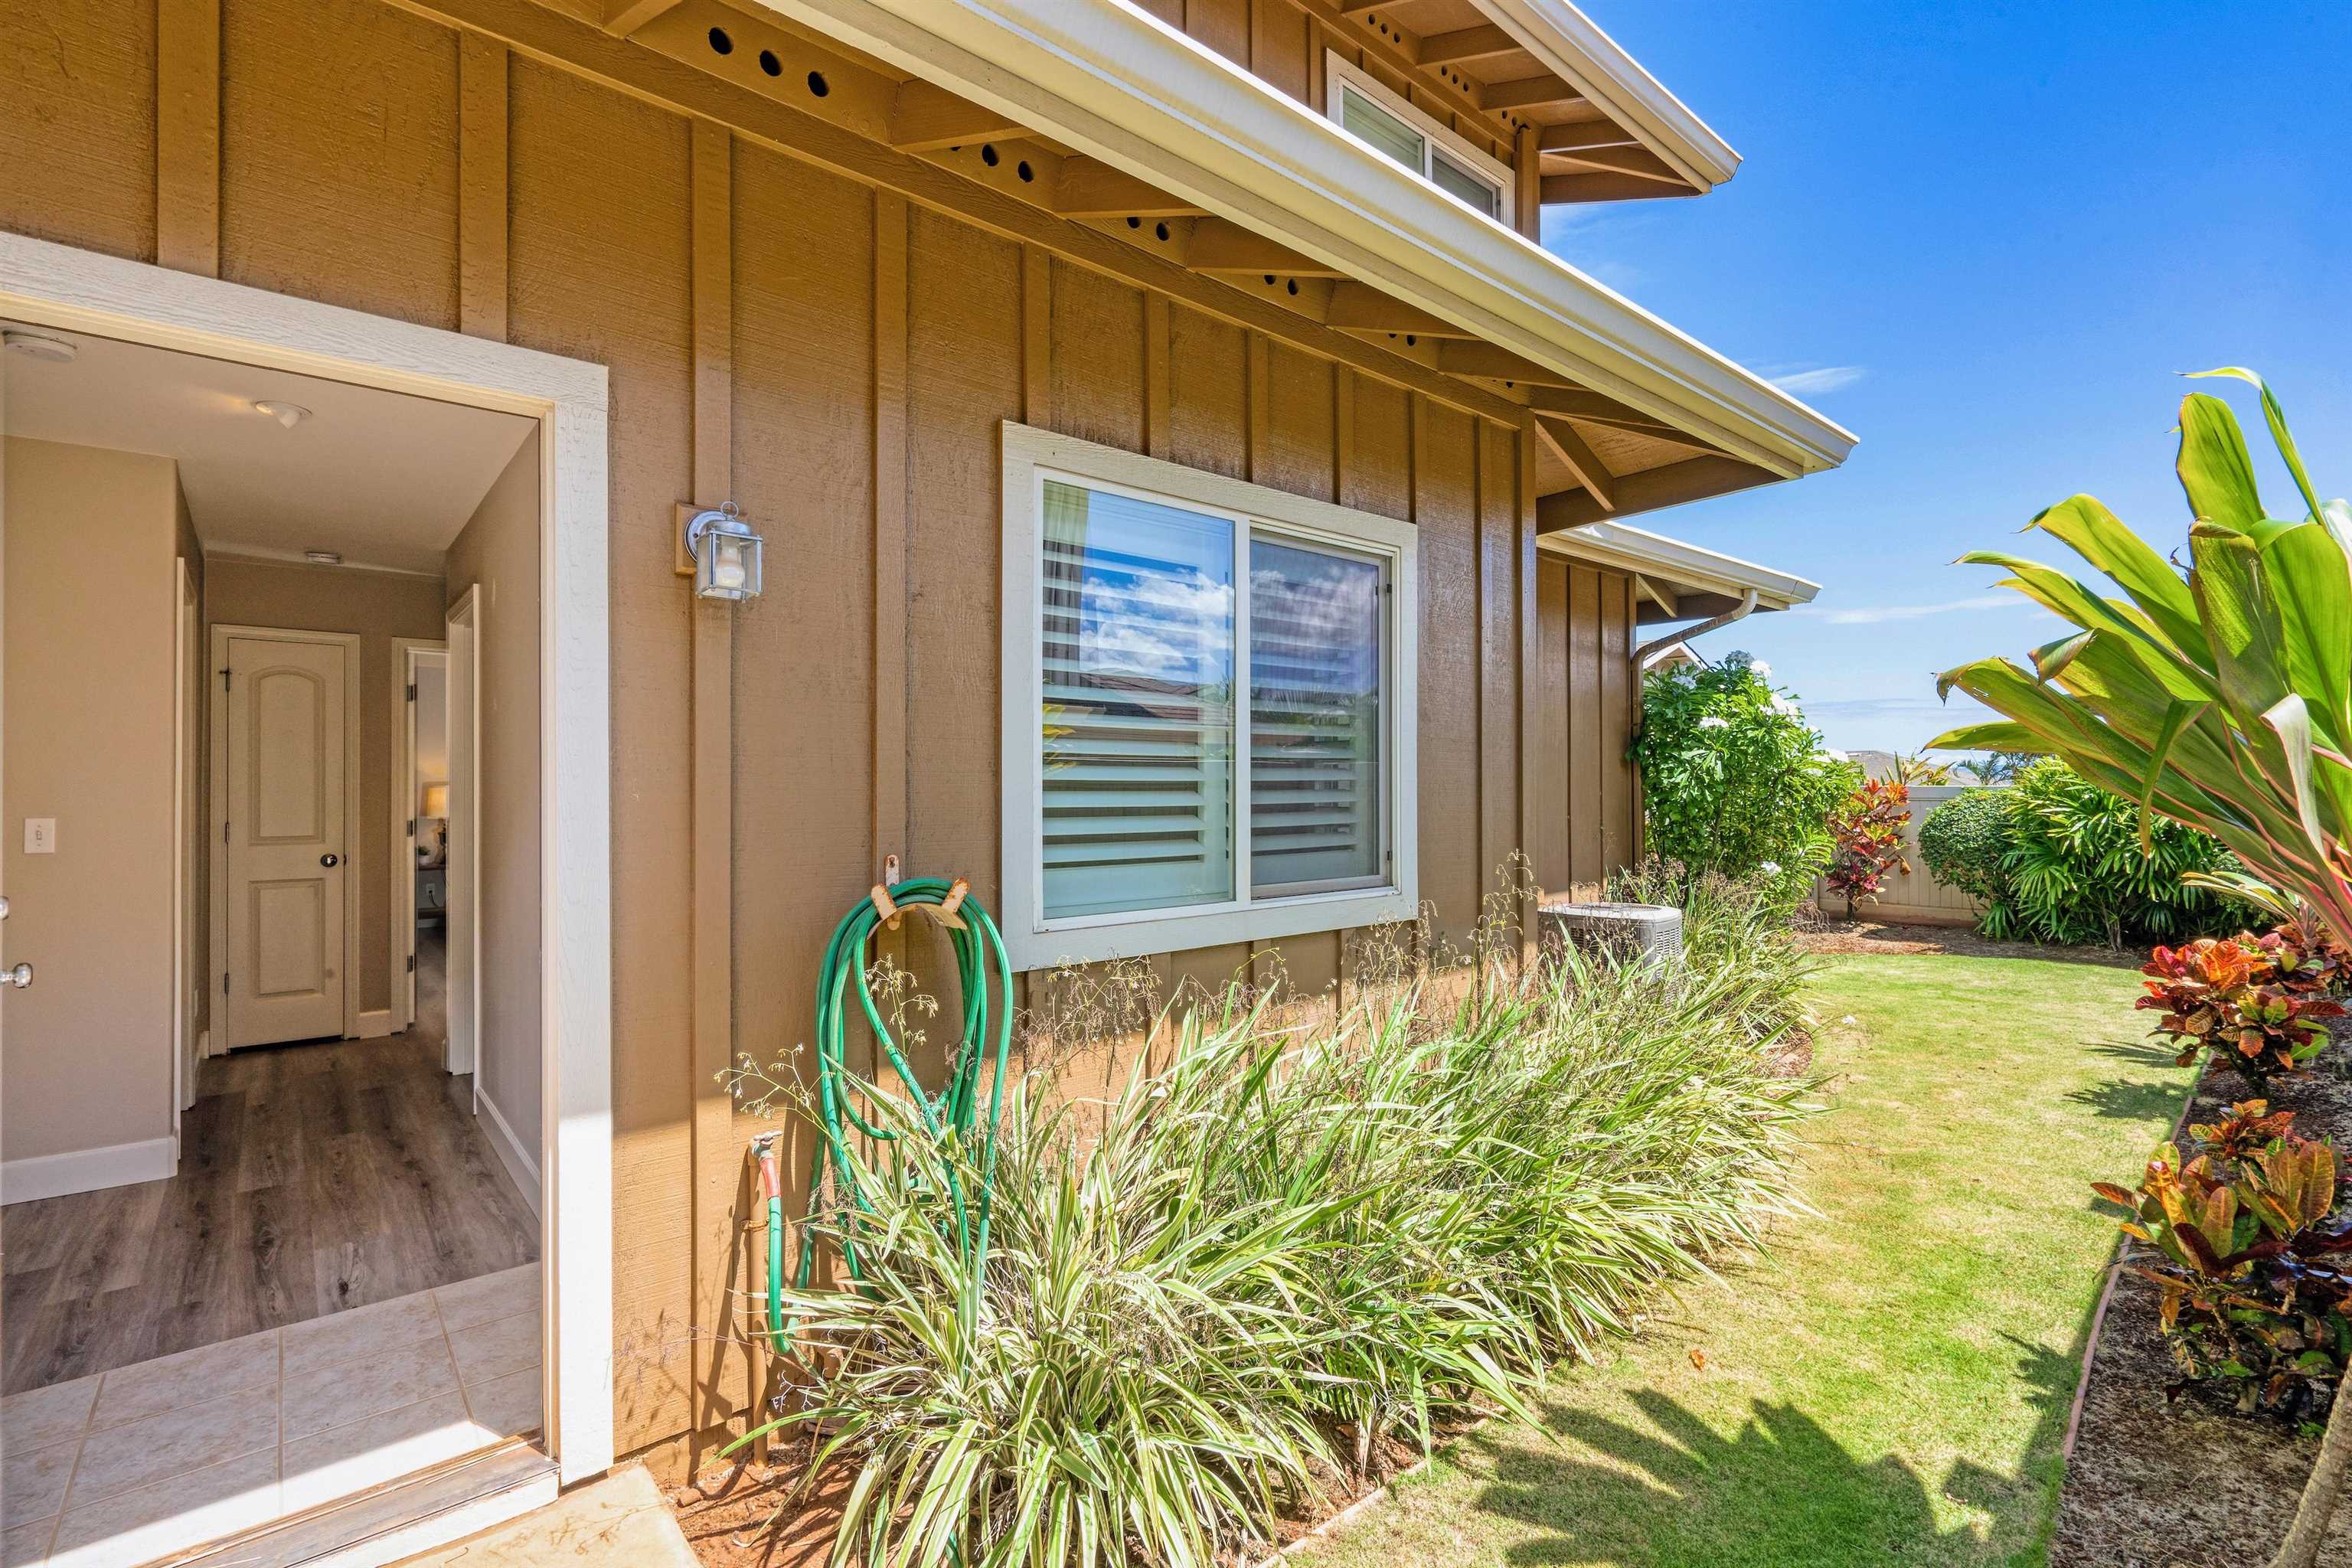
{"x": 87, "y": 1169}
{"x": 375, "y": 1025}
{"x": 521, "y": 1169}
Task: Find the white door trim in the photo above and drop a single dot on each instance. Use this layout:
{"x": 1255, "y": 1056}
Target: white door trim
{"x": 187, "y": 696}
{"x": 403, "y": 843}
{"x": 78, "y": 291}
{"x": 353, "y": 871}
{"x": 461, "y": 1052}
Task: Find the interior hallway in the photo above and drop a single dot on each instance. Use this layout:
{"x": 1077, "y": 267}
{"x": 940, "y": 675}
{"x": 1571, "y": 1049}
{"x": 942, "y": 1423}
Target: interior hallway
{"x": 312, "y": 1178}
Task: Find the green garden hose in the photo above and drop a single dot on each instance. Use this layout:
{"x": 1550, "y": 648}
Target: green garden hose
{"x": 948, "y": 1117}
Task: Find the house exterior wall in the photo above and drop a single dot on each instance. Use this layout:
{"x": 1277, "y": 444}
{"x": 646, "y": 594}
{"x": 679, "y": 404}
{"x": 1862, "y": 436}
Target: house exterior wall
{"x": 837, "y": 359}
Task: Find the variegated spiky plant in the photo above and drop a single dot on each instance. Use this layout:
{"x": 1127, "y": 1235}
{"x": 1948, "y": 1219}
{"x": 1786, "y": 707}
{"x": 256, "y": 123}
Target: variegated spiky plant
{"x": 2218, "y": 693}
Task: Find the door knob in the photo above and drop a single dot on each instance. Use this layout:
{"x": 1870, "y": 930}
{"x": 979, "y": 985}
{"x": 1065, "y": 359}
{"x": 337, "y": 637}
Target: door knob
{"x": 330, "y": 861}
{"x": 20, "y": 976}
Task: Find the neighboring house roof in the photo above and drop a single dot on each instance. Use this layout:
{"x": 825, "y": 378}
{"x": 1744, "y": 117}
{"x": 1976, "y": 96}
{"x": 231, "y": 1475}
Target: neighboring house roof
{"x": 1677, "y": 581}
{"x": 1668, "y": 656}
{"x": 1285, "y": 194}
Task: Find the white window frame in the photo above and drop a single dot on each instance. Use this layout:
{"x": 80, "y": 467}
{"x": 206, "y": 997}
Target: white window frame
{"x": 1031, "y": 457}
{"x": 1339, "y": 74}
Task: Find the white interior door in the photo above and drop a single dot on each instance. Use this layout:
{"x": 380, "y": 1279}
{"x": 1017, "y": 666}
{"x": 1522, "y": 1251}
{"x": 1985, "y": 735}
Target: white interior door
{"x": 285, "y": 839}
{"x": 462, "y": 994}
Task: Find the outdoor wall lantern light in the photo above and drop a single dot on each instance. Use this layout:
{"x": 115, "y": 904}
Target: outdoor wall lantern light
{"x": 726, "y": 554}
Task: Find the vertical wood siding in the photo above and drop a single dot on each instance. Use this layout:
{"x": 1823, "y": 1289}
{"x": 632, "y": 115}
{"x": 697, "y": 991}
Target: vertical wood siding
{"x": 1586, "y": 817}
{"x": 866, "y": 351}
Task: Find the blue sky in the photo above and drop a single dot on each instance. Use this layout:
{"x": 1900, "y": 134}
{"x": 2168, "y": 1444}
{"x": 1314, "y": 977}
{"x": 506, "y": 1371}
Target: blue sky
{"x": 1983, "y": 238}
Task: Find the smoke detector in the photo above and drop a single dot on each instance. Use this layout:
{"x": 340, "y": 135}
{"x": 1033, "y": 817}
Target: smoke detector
{"x": 287, "y": 413}
{"x": 35, "y": 345}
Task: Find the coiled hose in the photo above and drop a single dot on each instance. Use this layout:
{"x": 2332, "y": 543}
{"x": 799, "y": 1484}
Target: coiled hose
{"x": 947, "y": 1117}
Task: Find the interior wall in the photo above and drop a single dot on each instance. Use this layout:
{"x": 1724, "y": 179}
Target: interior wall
{"x": 196, "y": 732}
{"x": 498, "y": 553}
{"x": 90, "y": 631}
{"x": 378, "y": 606}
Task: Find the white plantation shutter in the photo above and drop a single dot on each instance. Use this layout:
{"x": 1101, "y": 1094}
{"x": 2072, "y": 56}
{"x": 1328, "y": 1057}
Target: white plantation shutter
{"x": 1315, "y": 664}
{"x": 1138, "y": 719}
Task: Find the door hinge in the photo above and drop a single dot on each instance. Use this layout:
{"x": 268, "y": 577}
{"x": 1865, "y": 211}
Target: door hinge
{"x": 412, "y": 828}
{"x": 223, "y": 982}
{"x": 223, "y": 832}
{"x": 412, "y": 964}
{"x": 411, "y": 691}
{"x": 224, "y": 680}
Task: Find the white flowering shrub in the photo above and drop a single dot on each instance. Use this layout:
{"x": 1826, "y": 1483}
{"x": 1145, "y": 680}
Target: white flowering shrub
{"x": 1733, "y": 779}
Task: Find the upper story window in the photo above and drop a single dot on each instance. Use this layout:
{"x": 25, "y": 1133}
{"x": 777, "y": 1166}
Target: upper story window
{"x": 1208, "y": 707}
{"x": 1384, "y": 121}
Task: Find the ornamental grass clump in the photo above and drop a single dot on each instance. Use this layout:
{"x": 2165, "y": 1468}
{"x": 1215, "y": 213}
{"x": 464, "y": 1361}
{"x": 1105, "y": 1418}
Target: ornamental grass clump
{"x": 1276, "y": 1253}
{"x": 2257, "y": 1294}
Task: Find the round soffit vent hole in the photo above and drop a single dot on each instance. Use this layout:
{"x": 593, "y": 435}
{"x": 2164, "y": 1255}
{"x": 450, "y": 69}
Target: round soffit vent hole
{"x": 770, "y": 64}
{"x": 988, "y": 154}
{"x": 39, "y": 346}
{"x": 721, "y": 44}
{"x": 818, "y": 87}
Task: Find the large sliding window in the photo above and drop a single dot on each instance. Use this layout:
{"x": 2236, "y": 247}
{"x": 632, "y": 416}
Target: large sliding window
{"x": 1394, "y": 127}
{"x": 1207, "y": 708}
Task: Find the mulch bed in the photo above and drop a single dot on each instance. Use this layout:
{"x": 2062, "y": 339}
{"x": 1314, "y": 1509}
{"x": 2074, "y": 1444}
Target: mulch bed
{"x": 1865, "y": 935}
{"x": 746, "y": 1516}
{"x": 2188, "y": 1483}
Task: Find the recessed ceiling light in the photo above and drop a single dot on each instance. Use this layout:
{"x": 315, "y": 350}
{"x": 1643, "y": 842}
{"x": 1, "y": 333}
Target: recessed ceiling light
{"x": 287, "y": 413}
{"x": 33, "y": 345}
{"x": 324, "y": 557}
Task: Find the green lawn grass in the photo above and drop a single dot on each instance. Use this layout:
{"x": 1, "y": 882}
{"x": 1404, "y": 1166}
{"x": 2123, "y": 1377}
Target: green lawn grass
{"x": 1889, "y": 1385}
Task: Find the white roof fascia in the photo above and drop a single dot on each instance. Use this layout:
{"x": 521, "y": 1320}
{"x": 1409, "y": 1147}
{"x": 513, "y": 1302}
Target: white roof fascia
{"x": 1120, "y": 85}
{"x": 1685, "y": 567}
{"x": 1566, "y": 43}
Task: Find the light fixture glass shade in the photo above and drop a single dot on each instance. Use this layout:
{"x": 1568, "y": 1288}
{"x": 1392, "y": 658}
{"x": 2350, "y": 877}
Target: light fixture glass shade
{"x": 437, "y": 800}
{"x": 726, "y": 556}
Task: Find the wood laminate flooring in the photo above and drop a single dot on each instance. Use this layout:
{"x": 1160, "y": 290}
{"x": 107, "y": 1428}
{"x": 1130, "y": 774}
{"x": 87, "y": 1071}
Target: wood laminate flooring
{"x": 312, "y": 1178}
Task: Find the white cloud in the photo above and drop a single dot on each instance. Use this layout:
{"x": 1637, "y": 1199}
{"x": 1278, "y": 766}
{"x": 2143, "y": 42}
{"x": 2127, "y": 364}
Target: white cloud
{"x": 1872, "y": 614}
{"x": 1819, "y": 379}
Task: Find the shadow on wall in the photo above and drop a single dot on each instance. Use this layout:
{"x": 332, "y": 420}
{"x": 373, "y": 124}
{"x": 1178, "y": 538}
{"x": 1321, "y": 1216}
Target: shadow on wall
{"x": 1672, "y": 1492}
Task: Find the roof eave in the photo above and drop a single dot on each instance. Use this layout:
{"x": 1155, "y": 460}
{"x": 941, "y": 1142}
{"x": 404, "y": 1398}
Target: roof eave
{"x": 1567, "y": 43}
{"x": 1686, "y": 568}
{"x": 1123, "y": 86}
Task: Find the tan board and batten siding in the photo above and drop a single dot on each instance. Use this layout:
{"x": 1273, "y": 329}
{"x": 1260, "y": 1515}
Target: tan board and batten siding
{"x": 837, "y": 359}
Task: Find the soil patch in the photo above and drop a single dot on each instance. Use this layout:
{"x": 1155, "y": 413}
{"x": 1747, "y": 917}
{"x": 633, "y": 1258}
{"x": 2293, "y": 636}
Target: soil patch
{"x": 2187, "y": 1481}
{"x": 758, "y": 1516}
{"x": 1865, "y": 935}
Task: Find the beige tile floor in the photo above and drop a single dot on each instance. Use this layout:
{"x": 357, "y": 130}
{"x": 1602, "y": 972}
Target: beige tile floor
{"x": 150, "y": 1459}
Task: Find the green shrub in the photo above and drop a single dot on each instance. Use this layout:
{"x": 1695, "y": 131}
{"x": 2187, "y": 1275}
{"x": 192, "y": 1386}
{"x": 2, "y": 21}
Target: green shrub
{"x": 2077, "y": 873}
{"x": 1733, "y": 781}
{"x": 1279, "y": 1250}
{"x": 1966, "y": 843}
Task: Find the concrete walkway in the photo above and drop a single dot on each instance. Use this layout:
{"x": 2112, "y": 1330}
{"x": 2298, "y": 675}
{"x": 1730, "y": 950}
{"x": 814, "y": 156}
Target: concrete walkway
{"x": 620, "y": 1521}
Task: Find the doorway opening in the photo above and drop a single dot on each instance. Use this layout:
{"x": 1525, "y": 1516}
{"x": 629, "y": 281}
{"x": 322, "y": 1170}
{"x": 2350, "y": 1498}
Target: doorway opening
{"x": 270, "y": 1243}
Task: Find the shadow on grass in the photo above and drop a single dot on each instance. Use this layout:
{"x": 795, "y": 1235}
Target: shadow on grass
{"x": 1672, "y": 1492}
{"x": 2130, "y": 1099}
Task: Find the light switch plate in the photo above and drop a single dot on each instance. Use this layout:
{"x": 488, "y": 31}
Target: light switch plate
{"x": 40, "y": 836}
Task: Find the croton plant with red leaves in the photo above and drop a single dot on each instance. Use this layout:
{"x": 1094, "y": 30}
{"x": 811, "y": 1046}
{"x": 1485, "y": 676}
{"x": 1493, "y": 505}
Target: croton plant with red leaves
{"x": 2257, "y": 1003}
{"x": 2257, "y": 1287}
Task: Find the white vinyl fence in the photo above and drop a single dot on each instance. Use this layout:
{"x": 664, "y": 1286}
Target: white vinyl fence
{"x": 1912, "y": 896}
